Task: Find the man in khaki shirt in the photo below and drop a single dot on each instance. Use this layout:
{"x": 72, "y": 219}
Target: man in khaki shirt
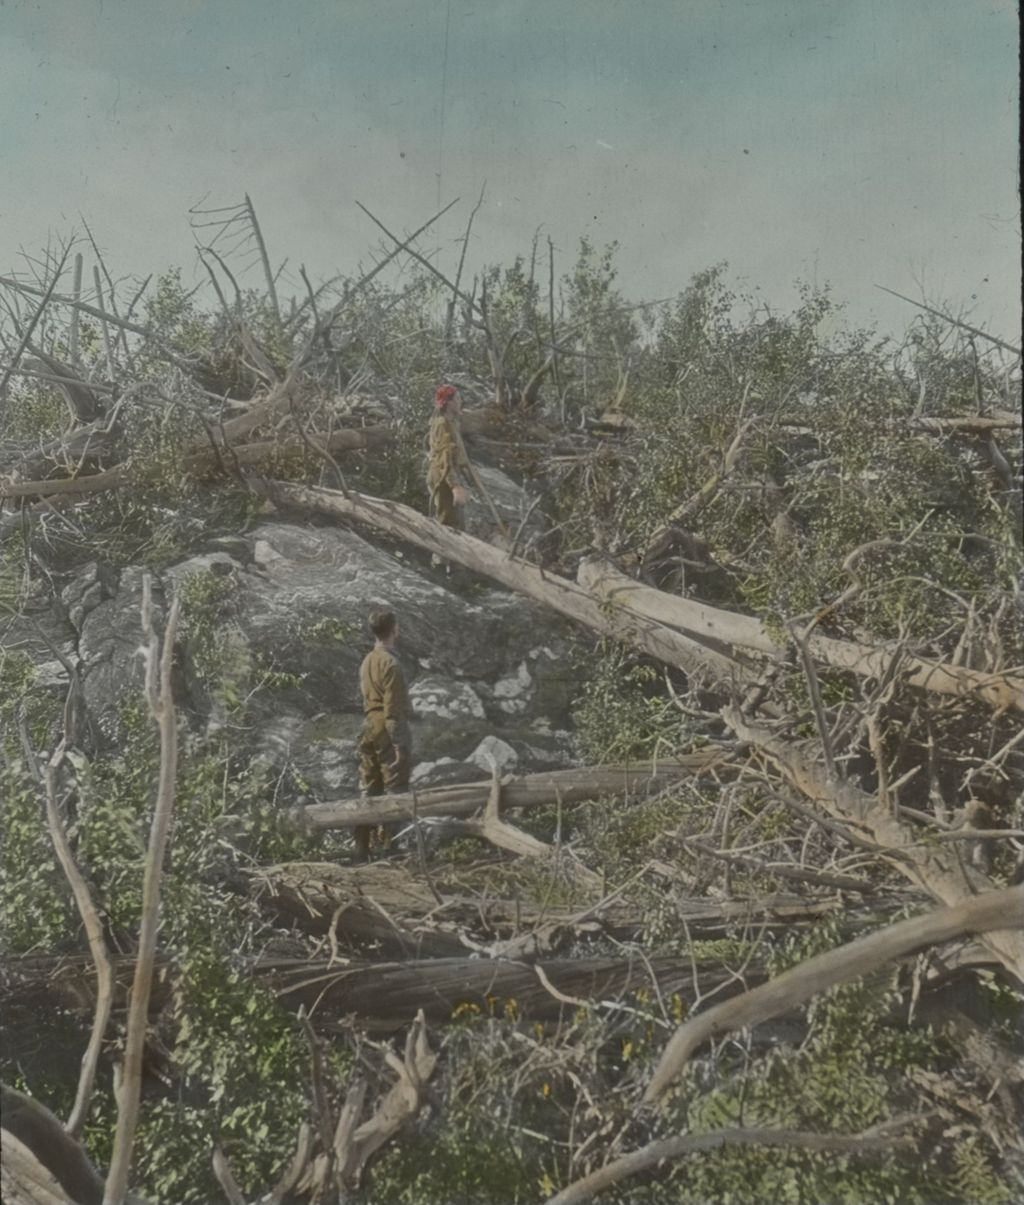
{"x": 448, "y": 470}
{"x": 385, "y": 743}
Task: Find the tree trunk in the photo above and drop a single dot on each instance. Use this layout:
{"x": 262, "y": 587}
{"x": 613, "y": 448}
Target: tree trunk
{"x": 743, "y": 631}
{"x": 527, "y": 790}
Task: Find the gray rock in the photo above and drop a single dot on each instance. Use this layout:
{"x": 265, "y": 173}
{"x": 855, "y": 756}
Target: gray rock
{"x": 291, "y": 633}
{"x": 493, "y": 753}
{"x": 445, "y": 698}
{"x": 92, "y": 585}
{"x": 513, "y": 504}
{"x": 512, "y": 693}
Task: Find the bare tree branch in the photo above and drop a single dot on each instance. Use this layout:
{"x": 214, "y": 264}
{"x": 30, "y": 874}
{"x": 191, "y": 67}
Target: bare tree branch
{"x": 980, "y": 914}
{"x": 33, "y": 322}
{"x": 953, "y": 321}
{"x": 264, "y": 258}
{"x": 931, "y": 867}
{"x": 97, "y": 947}
{"x": 161, "y": 705}
{"x": 658, "y": 1152}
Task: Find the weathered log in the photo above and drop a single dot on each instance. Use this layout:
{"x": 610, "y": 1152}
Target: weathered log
{"x": 89, "y": 484}
{"x": 934, "y": 867}
{"x": 973, "y": 424}
{"x": 386, "y": 994}
{"x": 376, "y": 906}
{"x": 386, "y": 907}
{"x": 527, "y": 790}
{"x": 744, "y": 631}
{"x": 348, "y": 439}
{"x": 40, "y": 1164}
{"x": 391, "y": 993}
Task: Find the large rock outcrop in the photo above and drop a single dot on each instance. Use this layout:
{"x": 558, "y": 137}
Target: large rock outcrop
{"x": 278, "y": 616}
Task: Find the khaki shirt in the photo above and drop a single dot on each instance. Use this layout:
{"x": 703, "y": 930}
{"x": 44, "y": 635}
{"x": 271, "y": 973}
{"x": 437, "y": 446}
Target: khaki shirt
{"x": 383, "y": 685}
{"x": 447, "y": 462}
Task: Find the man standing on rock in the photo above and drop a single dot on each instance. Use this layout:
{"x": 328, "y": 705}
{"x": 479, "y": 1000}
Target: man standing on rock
{"x": 448, "y": 472}
{"x": 385, "y": 743}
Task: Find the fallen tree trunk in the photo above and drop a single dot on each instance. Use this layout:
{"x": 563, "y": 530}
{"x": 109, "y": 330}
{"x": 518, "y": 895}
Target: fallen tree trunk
{"x": 386, "y": 907}
{"x": 932, "y": 866}
{"x": 92, "y": 483}
{"x": 527, "y": 790}
{"x": 562, "y": 595}
{"x": 376, "y": 906}
{"x": 973, "y": 424}
{"x": 385, "y": 995}
{"x": 979, "y": 914}
{"x": 201, "y": 458}
{"x": 744, "y": 631}
{"x": 391, "y": 993}
{"x": 40, "y": 1163}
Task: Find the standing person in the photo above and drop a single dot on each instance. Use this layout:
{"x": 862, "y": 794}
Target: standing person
{"x": 385, "y": 743}
{"x": 448, "y": 472}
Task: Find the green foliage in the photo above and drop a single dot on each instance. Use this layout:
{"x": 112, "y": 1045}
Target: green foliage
{"x": 620, "y": 838}
{"x": 519, "y": 1092}
{"x": 173, "y": 313}
{"x": 33, "y": 910}
{"x": 974, "y": 1179}
{"x": 232, "y": 1043}
{"x": 620, "y": 713}
{"x": 851, "y": 1072}
{"x": 494, "y": 1143}
{"x": 239, "y": 1060}
{"x": 33, "y": 410}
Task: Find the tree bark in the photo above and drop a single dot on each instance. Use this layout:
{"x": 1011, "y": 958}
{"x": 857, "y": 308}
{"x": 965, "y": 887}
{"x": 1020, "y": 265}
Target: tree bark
{"x": 745, "y": 632}
{"x": 93, "y": 926}
{"x": 972, "y": 424}
{"x": 40, "y": 1163}
{"x": 527, "y": 790}
{"x": 387, "y": 994}
{"x": 161, "y": 706}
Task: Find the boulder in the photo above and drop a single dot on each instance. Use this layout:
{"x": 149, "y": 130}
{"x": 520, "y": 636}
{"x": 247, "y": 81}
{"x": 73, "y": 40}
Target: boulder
{"x": 494, "y": 754}
{"x": 278, "y": 618}
{"x": 514, "y": 505}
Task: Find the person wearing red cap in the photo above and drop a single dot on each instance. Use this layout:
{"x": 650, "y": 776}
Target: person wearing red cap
{"x": 448, "y": 470}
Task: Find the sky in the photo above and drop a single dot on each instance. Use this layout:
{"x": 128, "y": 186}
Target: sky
{"x": 847, "y": 142}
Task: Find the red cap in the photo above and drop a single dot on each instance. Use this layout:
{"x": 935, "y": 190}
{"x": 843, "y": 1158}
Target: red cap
{"x": 444, "y": 394}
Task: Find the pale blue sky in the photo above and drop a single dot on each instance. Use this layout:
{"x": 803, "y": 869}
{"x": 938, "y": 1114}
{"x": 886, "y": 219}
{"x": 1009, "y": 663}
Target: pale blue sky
{"x": 851, "y": 141}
